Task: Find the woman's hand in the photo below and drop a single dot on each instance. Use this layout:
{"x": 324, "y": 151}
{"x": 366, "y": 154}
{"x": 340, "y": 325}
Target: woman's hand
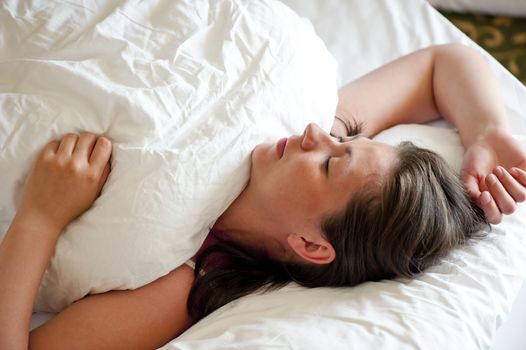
{"x": 494, "y": 173}
{"x": 66, "y": 178}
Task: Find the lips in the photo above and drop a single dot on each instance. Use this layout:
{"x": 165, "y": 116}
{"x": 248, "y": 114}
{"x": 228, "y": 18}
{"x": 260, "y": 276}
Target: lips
{"x": 280, "y": 146}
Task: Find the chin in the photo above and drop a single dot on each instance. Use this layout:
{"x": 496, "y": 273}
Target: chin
{"x": 260, "y": 157}
{"x": 261, "y": 151}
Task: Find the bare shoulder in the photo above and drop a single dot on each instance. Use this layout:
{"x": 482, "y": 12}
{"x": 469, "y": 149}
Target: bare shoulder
{"x": 147, "y": 317}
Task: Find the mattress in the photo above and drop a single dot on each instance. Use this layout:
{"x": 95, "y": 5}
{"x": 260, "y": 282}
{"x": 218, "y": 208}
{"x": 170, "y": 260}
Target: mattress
{"x": 456, "y": 306}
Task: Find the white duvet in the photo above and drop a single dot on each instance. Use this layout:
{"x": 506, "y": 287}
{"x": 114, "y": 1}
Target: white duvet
{"x": 184, "y": 89}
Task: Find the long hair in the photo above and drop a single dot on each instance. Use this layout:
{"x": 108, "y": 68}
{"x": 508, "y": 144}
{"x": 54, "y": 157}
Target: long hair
{"x": 415, "y": 219}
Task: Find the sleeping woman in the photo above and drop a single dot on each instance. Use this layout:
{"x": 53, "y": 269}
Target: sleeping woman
{"x": 320, "y": 209}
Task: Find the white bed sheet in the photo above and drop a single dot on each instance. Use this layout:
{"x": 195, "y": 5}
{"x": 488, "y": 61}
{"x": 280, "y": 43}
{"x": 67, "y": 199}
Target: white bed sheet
{"x": 362, "y": 35}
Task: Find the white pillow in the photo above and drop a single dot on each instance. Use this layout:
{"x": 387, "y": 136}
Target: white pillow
{"x": 503, "y": 7}
{"x": 184, "y": 89}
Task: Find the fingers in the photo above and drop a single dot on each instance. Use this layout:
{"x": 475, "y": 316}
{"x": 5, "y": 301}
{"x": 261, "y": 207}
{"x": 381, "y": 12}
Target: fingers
{"x": 50, "y": 149}
{"x": 95, "y": 150}
{"x": 505, "y": 190}
{"x": 104, "y": 177}
{"x": 67, "y": 145}
{"x": 513, "y": 186}
{"x": 501, "y": 197}
{"x": 472, "y": 186}
{"x": 85, "y": 145}
{"x": 101, "y": 154}
{"x": 491, "y": 210}
{"x": 519, "y": 175}
{"x": 63, "y": 183}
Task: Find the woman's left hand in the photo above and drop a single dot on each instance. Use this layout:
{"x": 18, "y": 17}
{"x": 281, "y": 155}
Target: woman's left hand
{"x": 494, "y": 174}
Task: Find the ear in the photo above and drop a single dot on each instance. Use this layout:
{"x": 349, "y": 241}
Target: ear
{"x": 316, "y": 251}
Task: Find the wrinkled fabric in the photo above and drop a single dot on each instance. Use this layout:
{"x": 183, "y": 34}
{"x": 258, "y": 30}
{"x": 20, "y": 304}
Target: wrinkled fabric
{"x": 184, "y": 89}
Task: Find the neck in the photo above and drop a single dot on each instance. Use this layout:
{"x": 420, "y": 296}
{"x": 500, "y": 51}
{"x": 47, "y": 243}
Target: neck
{"x": 243, "y": 222}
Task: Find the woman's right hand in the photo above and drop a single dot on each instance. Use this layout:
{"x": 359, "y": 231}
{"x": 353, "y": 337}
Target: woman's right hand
{"x": 494, "y": 174}
{"x": 66, "y": 178}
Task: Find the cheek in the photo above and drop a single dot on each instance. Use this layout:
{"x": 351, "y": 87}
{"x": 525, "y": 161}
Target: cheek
{"x": 290, "y": 179}
{"x": 301, "y": 185}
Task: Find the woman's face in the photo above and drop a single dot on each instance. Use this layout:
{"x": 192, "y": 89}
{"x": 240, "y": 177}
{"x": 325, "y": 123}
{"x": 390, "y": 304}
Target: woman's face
{"x": 301, "y": 179}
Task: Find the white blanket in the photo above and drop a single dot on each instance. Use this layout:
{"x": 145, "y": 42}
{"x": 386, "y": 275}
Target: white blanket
{"x": 184, "y": 89}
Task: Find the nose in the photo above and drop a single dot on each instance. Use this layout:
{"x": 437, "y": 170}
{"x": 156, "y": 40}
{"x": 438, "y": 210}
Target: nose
{"x": 312, "y": 136}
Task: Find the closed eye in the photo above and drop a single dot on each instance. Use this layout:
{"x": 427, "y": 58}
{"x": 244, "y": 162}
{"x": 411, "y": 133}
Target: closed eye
{"x": 340, "y": 139}
{"x": 326, "y": 165}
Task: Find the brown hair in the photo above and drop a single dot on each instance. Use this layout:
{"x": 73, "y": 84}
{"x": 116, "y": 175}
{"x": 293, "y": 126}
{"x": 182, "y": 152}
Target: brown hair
{"x": 415, "y": 219}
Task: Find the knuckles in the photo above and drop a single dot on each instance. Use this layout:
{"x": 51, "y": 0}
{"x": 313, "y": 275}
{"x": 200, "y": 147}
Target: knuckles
{"x": 92, "y": 176}
{"x": 75, "y": 167}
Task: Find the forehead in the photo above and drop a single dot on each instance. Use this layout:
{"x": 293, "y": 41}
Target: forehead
{"x": 381, "y": 156}
{"x": 369, "y": 157}
{"x": 370, "y": 163}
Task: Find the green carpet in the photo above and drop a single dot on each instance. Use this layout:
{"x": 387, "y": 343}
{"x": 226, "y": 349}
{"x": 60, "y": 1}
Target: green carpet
{"x": 503, "y": 37}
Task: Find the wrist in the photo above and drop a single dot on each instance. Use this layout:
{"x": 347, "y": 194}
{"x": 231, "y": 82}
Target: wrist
{"x": 32, "y": 220}
{"x": 487, "y": 132}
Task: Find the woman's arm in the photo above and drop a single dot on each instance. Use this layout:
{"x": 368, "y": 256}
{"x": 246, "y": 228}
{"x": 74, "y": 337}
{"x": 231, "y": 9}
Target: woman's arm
{"x": 450, "y": 81}
{"x": 24, "y": 255}
{"x": 65, "y": 180}
{"x": 454, "y": 82}
{"x": 144, "y": 318}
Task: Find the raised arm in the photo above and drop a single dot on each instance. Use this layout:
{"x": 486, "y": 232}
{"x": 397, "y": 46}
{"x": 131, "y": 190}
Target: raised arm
{"x": 454, "y": 82}
{"x": 447, "y": 81}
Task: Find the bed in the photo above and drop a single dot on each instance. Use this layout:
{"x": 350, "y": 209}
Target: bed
{"x": 459, "y": 304}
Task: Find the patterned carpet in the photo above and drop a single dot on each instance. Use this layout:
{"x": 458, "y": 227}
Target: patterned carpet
{"x": 503, "y": 37}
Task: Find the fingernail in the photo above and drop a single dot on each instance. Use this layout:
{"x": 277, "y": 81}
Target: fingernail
{"x": 499, "y": 171}
{"x": 514, "y": 172}
{"x": 492, "y": 179}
